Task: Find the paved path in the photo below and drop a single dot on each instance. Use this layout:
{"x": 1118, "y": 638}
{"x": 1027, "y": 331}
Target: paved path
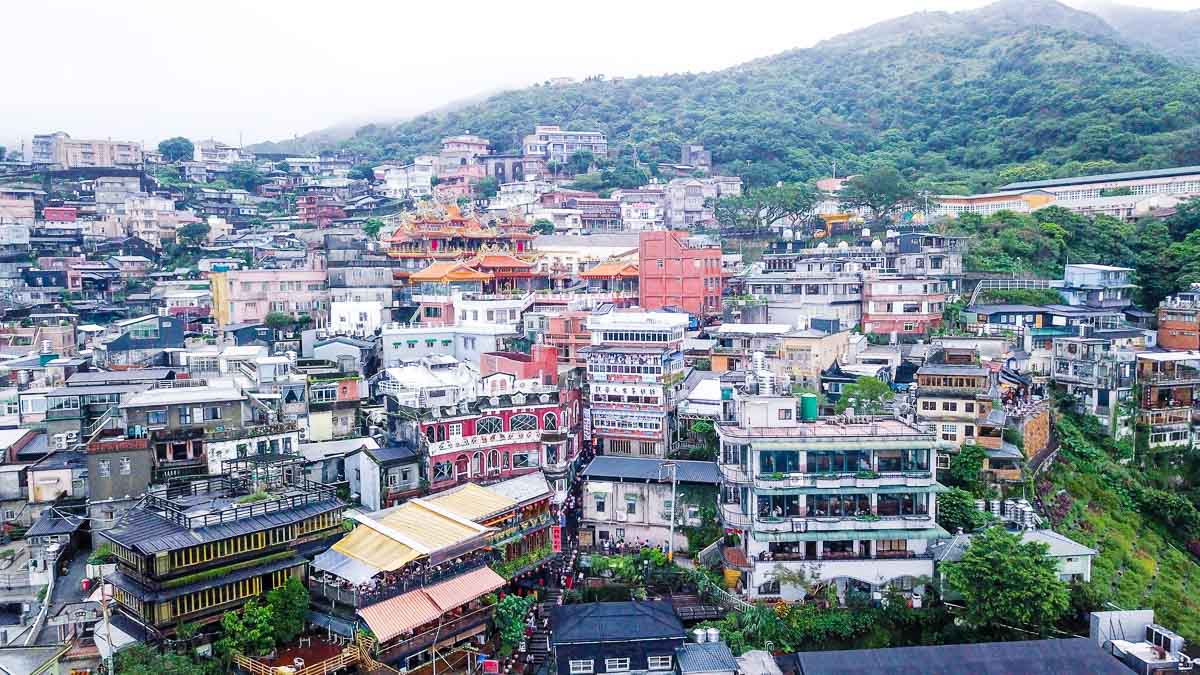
{"x": 67, "y": 589}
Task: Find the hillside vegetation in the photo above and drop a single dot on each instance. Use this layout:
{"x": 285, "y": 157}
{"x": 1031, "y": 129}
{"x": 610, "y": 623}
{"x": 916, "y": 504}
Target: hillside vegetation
{"x": 966, "y": 100}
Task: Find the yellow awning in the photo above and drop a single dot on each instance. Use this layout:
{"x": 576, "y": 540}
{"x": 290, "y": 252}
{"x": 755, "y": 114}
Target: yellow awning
{"x": 472, "y": 502}
{"x": 418, "y": 531}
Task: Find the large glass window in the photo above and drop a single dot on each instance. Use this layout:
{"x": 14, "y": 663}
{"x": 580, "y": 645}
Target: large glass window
{"x": 523, "y": 423}
{"x": 786, "y": 461}
{"x": 489, "y": 425}
{"x": 902, "y": 460}
{"x": 839, "y": 505}
{"x": 903, "y": 504}
{"x": 778, "y": 506}
{"x": 847, "y": 461}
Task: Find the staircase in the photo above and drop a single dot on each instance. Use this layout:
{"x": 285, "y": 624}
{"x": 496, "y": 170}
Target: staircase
{"x": 539, "y": 644}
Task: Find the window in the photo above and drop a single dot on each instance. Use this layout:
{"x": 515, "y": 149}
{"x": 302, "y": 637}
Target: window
{"x": 456, "y": 430}
{"x": 949, "y": 432}
{"x": 212, "y": 413}
{"x": 126, "y": 466}
{"x": 104, "y": 468}
{"x": 785, "y": 413}
{"x": 523, "y": 422}
{"x": 969, "y": 407}
{"x": 631, "y": 504}
{"x": 664, "y": 662}
{"x": 951, "y": 406}
{"x": 325, "y": 394}
{"x": 615, "y": 665}
{"x": 185, "y": 415}
{"x": 581, "y": 667}
{"x": 489, "y": 425}
{"x": 600, "y": 503}
{"x": 550, "y": 422}
{"x": 156, "y": 417}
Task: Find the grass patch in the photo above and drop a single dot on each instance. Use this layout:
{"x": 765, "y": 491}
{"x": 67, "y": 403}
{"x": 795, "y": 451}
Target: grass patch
{"x": 260, "y": 496}
{"x": 224, "y": 570}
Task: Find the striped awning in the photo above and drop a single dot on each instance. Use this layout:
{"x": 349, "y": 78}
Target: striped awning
{"x": 464, "y": 588}
{"x": 402, "y": 613}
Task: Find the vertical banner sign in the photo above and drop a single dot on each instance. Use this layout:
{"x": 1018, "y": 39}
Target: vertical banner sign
{"x": 556, "y": 538}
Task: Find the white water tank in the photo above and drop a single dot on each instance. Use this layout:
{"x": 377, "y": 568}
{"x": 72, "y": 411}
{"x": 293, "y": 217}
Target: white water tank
{"x": 699, "y": 634}
{"x": 714, "y": 635}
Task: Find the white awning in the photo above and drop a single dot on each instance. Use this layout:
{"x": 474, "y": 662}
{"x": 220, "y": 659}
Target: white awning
{"x": 344, "y": 567}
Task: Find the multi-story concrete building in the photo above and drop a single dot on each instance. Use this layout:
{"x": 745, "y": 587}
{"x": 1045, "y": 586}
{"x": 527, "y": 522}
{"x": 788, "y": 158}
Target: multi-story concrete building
{"x": 597, "y": 214}
{"x": 212, "y": 151}
{"x": 60, "y": 151}
{"x": 632, "y": 364}
{"x": 152, "y": 219}
{"x": 902, "y": 305}
{"x": 805, "y": 353}
{"x": 631, "y": 499}
{"x": 1100, "y": 286}
{"x": 689, "y": 200}
{"x": 824, "y": 292}
{"x": 1179, "y": 321}
{"x": 642, "y": 209}
{"x": 849, "y": 503}
{"x": 245, "y": 296}
{"x": 1098, "y": 372}
{"x": 410, "y": 181}
{"x": 1168, "y": 383}
{"x": 954, "y": 400}
{"x": 678, "y": 270}
{"x": 552, "y": 144}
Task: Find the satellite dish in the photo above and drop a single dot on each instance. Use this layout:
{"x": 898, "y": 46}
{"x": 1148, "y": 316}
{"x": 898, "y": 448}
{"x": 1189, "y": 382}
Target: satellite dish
{"x": 822, "y": 245}
{"x": 876, "y": 245}
{"x": 788, "y": 234}
{"x": 842, "y": 244}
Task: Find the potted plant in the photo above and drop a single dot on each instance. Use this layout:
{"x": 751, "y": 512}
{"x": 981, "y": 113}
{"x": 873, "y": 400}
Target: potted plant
{"x": 866, "y": 478}
{"x": 828, "y": 480}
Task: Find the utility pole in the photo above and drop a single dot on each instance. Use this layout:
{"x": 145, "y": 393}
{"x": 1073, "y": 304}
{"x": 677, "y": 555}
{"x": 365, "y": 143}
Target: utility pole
{"x": 674, "y": 469}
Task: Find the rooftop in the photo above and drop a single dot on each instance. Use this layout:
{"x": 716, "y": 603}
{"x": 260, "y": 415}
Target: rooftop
{"x": 1029, "y": 657}
{"x": 651, "y": 470}
{"x": 183, "y": 396}
{"x": 1102, "y": 178}
{"x": 705, "y": 657}
{"x": 832, "y": 429}
{"x": 615, "y": 622}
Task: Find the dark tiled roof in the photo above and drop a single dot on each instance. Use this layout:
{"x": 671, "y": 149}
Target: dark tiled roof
{"x": 1029, "y": 657}
{"x": 49, "y": 524}
{"x": 706, "y": 657}
{"x": 615, "y": 622}
{"x": 646, "y": 469}
{"x": 393, "y": 454}
{"x": 150, "y": 533}
{"x": 144, "y": 594}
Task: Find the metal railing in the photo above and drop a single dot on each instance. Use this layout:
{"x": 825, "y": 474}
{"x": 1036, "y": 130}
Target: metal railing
{"x": 237, "y": 433}
{"x": 358, "y": 598}
{"x": 442, "y": 630}
{"x": 160, "y": 502}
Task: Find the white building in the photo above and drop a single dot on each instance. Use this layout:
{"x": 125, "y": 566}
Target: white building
{"x": 357, "y": 318}
{"x": 216, "y": 152}
{"x": 553, "y": 144}
{"x": 852, "y": 504}
{"x": 411, "y": 181}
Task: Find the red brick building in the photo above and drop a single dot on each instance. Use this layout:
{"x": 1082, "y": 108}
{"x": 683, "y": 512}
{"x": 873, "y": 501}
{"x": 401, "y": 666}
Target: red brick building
{"x": 1179, "y": 321}
{"x": 678, "y": 270}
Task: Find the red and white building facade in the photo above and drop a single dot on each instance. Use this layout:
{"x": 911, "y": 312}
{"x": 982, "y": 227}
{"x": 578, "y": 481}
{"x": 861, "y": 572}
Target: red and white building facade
{"x": 902, "y": 305}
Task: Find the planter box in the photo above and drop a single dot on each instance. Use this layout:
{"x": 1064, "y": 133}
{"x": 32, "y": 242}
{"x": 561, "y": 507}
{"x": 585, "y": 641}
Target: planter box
{"x": 868, "y": 482}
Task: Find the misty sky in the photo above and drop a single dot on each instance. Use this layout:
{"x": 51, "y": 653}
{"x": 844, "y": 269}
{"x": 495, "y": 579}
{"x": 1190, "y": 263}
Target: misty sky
{"x": 145, "y": 70}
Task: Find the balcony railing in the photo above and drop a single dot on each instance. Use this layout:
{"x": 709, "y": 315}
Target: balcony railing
{"x": 442, "y": 631}
{"x": 350, "y": 595}
{"x": 238, "y": 433}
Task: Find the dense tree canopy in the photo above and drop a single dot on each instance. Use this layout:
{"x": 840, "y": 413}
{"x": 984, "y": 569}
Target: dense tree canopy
{"x": 1004, "y": 581}
{"x": 176, "y": 149}
{"x": 958, "y": 105}
{"x": 867, "y": 395}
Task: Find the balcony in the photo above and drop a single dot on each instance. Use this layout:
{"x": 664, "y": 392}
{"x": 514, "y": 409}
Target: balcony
{"x": 865, "y": 522}
{"x": 448, "y": 631}
{"x": 238, "y": 433}
{"x": 866, "y": 480}
{"x": 333, "y": 590}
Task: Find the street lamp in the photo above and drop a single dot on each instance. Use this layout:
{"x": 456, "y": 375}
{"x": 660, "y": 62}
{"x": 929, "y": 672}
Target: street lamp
{"x": 673, "y": 468}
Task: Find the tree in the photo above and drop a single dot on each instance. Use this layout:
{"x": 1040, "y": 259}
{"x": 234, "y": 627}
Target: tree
{"x": 289, "y": 605}
{"x": 956, "y": 509}
{"x": 250, "y": 632}
{"x": 176, "y": 149}
{"x": 372, "y": 226}
{"x": 362, "y": 172}
{"x": 580, "y": 161}
{"x": 140, "y": 659}
{"x": 965, "y": 466}
{"x": 542, "y": 226}
{"x": 194, "y": 233}
{"x": 867, "y": 395}
{"x": 881, "y": 190}
{"x": 510, "y": 619}
{"x": 278, "y": 320}
{"x": 796, "y": 203}
{"x": 736, "y": 212}
{"x": 1003, "y": 580}
{"x": 486, "y": 188}
{"x": 245, "y": 177}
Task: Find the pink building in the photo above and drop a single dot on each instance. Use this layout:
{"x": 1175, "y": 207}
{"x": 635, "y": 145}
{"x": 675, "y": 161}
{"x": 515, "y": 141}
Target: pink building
{"x": 902, "y": 305}
{"x": 676, "y": 269}
{"x": 247, "y": 296}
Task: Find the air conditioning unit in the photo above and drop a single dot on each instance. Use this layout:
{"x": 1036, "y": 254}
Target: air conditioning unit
{"x": 303, "y": 434}
{"x": 72, "y": 437}
{"x": 60, "y": 441}
{"x": 621, "y": 517}
{"x": 1161, "y": 637}
{"x": 799, "y": 525}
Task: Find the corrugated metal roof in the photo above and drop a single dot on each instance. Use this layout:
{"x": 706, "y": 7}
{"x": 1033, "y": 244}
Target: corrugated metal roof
{"x": 708, "y": 657}
{"x": 150, "y": 533}
{"x": 647, "y": 469}
{"x": 423, "y": 527}
{"x": 1101, "y": 178}
{"x": 402, "y": 613}
{"x": 525, "y": 488}
{"x": 472, "y": 501}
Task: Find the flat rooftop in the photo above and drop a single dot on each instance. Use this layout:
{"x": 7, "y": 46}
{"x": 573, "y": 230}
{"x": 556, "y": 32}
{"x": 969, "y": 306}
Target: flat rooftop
{"x": 829, "y": 428}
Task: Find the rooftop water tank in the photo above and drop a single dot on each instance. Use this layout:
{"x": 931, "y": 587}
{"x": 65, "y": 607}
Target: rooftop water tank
{"x": 808, "y": 407}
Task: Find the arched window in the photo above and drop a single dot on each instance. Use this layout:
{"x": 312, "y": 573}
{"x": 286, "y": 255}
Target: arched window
{"x": 429, "y": 433}
{"x": 493, "y": 460}
{"x": 550, "y": 422}
{"x": 523, "y": 422}
{"x": 477, "y": 464}
{"x": 461, "y": 464}
{"x": 489, "y": 425}
{"x": 441, "y": 432}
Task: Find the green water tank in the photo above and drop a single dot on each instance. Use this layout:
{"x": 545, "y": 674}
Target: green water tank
{"x": 808, "y": 407}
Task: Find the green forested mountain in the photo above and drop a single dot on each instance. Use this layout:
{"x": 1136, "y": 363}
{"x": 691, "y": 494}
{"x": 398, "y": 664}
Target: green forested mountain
{"x": 1174, "y": 34}
{"x": 950, "y": 97}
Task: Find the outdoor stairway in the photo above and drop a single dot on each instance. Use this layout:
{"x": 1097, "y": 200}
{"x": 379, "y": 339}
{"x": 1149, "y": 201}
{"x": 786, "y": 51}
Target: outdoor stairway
{"x": 539, "y": 644}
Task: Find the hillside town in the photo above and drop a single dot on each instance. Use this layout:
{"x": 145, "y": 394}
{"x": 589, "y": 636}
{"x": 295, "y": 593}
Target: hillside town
{"x": 307, "y": 414}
